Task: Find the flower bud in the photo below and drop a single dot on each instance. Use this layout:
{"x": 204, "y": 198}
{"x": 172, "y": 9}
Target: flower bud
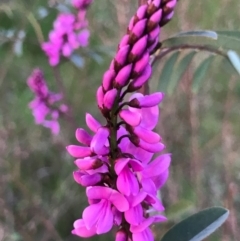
{"x": 138, "y": 48}
{"x": 153, "y": 35}
{"x": 124, "y": 41}
{"x": 141, "y": 11}
{"x": 154, "y": 20}
{"x": 122, "y": 78}
{"x": 92, "y": 123}
{"x": 122, "y": 54}
{"x": 147, "y": 100}
{"x": 83, "y": 137}
{"x": 139, "y": 81}
{"x": 139, "y": 28}
{"x": 131, "y": 24}
{"x": 141, "y": 64}
{"x": 100, "y": 96}
{"x": 79, "y": 151}
{"x": 109, "y": 99}
{"x": 108, "y": 78}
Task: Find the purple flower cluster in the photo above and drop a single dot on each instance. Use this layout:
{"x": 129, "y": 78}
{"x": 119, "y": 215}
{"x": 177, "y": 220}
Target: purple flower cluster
{"x": 115, "y": 161}
{"x": 69, "y": 33}
{"x": 44, "y": 108}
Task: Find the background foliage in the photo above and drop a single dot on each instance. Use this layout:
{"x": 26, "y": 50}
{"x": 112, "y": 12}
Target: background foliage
{"x": 199, "y": 124}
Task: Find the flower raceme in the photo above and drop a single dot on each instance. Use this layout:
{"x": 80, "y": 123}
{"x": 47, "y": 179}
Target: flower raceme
{"x": 69, "y": 33}
{"x": 115, "y": 160}
{"x": 44, "y": 108}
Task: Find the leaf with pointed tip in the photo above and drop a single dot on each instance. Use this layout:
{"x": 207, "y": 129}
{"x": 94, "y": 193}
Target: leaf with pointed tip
{"x": 178, "y": 71}
{"x": 222, "y": 42}
{"x": 198, "y": 226}
{"x": 234, "y": 59}
{"x": 202, "y": 33}
{"x": 200, "y": 73}
{"x": 167, "y": 71}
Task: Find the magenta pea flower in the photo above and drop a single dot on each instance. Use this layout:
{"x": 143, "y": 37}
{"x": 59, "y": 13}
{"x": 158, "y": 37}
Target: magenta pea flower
{"x": 99, "y": 217}
{"x": 114, "y": 158}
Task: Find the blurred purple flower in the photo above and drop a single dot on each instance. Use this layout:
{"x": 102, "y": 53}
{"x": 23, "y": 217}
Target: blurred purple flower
{"x": 44, "y": 108}
{"x": 69, "y": 33}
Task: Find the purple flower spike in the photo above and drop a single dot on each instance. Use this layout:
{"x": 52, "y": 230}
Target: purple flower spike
{"x": 83, "y": 137}
{"x": 123, "y": 76}
{"x": 131, "y": 118}
{"x": 115, "y": 165}
{"x": 109, "y": 99}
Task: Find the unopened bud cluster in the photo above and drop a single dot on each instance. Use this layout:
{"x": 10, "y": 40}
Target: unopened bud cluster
{"x": 115, "y": 161}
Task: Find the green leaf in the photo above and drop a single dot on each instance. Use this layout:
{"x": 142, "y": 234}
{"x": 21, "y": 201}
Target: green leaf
{"x": 235, "y": 34}
{"x": 178, "y": 71}
{"x": 201, "y": 33}
{"x": 198, "y": 226}
{"x": 167, "y": 71}
{"x": 222, "y": 42}
{"x": 234, "y": 59}
{"x": 200, "y": 73}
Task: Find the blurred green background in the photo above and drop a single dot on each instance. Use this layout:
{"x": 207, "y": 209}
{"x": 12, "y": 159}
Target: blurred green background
{"x": 38, "y": 198}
